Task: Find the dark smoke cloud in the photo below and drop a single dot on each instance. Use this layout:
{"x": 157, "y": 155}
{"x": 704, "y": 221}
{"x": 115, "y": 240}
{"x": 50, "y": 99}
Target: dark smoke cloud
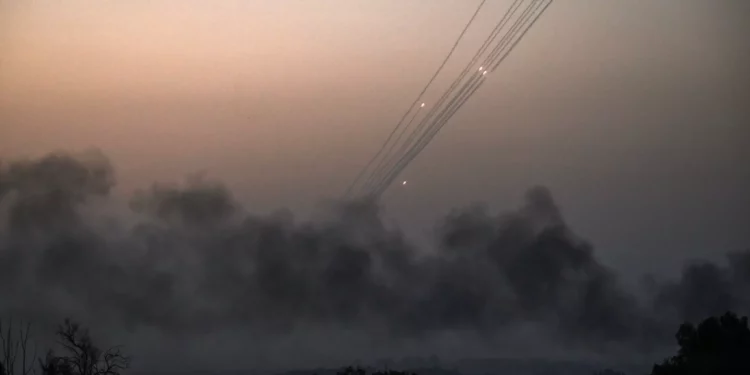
{"x": 195, "y": 261}
{"x": 706, "y": 289}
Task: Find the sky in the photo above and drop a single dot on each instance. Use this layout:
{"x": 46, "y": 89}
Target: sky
{"x": 634, "y": 114}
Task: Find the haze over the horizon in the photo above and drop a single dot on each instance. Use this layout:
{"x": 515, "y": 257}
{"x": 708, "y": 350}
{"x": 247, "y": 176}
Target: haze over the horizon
{"x": 633, "y": 113}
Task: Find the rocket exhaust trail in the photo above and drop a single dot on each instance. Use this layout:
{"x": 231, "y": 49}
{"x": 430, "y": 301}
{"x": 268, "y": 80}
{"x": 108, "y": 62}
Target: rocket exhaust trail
{"x": 498, "y": 54}
{"x": 419, "y": 97}
{"x": 510, "y": 12}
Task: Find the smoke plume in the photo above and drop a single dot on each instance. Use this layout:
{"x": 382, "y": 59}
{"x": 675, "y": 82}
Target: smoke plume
{"x": 188, "y": 259}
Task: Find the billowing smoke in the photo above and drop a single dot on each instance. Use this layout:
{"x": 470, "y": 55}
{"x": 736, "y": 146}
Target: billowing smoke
{"x": 188, "y": 259}
{"x": 706, "y": 289}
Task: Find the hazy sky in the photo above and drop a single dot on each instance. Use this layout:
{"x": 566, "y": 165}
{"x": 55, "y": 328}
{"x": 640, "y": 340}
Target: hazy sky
{"x": 634, "y": 113}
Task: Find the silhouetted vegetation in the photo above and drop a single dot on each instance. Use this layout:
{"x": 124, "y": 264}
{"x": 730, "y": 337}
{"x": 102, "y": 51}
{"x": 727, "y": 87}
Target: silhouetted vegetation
{"x": 717, "y": 346}
{"x": 15, "y": 357}
{"x": 82, "y": 356}
{"x": 79, "y": 355}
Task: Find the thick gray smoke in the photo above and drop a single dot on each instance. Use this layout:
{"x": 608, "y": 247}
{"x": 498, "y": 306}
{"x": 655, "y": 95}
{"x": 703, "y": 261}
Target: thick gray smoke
{"x": 188, "y": 260}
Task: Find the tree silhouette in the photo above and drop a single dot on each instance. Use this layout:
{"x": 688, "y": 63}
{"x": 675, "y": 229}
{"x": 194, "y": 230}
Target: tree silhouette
{"x": 717, "y": 346}
{"x": 15, "y": 357}
{"x": 53, "y": 365}
{"x": 82, "y": 357}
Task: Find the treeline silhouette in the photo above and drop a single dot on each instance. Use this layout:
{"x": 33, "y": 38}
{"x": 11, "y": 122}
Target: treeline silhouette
{"x": 718, "y": 345}
{"x": 78, "y": 355}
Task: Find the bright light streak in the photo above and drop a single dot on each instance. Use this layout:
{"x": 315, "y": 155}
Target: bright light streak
{"x": 403, "y": 183}
{"x": 484, "y": 73}
{"x": 481, "y": 68}
{"x": 421, "y": 106}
